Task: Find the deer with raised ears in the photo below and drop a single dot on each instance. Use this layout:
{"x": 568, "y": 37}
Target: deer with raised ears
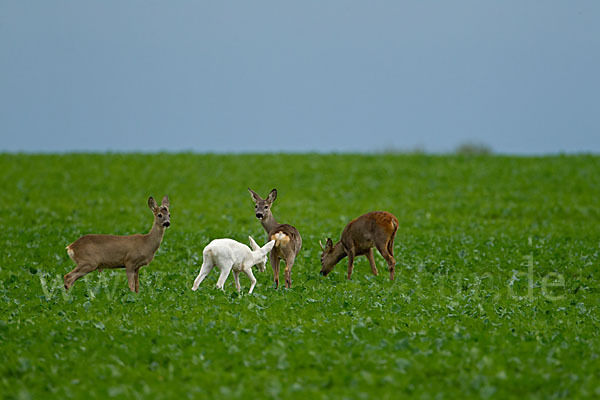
{"x": 374, "y": 229}
{"x": 91, "y": 252}
{"x": 287, "y": 238}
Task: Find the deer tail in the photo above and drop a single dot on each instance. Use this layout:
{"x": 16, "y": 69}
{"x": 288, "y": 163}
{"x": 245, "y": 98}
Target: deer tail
{"x": 280, "y": 239}
{"x": 70, "y": 252}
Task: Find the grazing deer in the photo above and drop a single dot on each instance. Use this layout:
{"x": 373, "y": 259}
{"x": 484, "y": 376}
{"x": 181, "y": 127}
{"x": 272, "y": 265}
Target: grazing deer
{"x": 91, "y": 252}
{"x": 229, "y": 255}
{"x": 377, "y": 228}
{"x": 287, "y": 238}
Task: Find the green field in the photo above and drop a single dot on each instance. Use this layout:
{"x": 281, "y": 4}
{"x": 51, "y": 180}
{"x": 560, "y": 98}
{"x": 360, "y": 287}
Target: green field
{"x": 496, "y": 292}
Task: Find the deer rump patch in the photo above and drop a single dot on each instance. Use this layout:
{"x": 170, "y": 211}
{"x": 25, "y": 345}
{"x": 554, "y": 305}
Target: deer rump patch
{"x": 280, "y": 238}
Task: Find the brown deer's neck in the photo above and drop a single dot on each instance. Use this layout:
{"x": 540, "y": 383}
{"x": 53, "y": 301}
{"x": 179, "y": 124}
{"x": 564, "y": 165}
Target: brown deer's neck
{"x": 269, "y": 222}
{"x": 155, "y": 236}
{"x": 338, "y": 252}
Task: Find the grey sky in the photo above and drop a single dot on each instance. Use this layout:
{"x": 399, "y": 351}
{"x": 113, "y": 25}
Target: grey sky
{"x": 226, "y": 76}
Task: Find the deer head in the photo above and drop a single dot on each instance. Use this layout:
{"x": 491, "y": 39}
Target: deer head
{"x": 262, "y": 207}
{"x": 328, "y": 258}
{"x": 265, "y": 250}
{"x": 162, "y": 217}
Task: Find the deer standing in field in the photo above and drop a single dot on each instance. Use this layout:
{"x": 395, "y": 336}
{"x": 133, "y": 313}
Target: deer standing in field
{"x": 287, "y": 238}
{"x": 230, "y": 255}
{"x": 377, "y": 228}
{"x": 91, "y": 252}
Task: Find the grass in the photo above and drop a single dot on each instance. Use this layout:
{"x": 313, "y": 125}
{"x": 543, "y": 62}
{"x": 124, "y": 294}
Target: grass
{"x": 495, "y": 295}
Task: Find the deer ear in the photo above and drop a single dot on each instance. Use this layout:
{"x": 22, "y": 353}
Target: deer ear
{"x": 272, "y": 196}
{"x": 255, "y": 197}
{"x": 165, "y": 201}
{"x": 269, "y": 246}
{"x": 253, "y": 244}
{"x": 152, "y": 203}
{"x": 329, "y": 243}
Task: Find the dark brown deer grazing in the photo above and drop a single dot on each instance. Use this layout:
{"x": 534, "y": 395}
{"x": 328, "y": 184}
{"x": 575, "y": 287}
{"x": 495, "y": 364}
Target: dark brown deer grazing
{"x": 287, "y": 238}
{"x": 91, "y": 252}
{"x": 377, "y": 228}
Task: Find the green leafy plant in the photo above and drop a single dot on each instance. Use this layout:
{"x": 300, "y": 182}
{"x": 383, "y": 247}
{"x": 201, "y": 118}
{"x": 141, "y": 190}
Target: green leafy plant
{"x": 495, "y": 293}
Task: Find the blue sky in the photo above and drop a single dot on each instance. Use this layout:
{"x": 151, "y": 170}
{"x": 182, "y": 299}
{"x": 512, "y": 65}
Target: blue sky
{"x": 248, "y": 76}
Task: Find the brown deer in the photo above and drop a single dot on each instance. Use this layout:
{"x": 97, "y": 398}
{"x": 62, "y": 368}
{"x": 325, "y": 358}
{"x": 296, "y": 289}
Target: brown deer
{"x": 377, "y": 228}
{"x": 91, "y": 252}
{"x": 287, "y": 238}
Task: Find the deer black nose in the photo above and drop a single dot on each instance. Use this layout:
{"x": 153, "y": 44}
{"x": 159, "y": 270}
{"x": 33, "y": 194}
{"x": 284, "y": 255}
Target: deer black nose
{"x": 259, "y": 215}
{"x": 167, "y": 224}
{"x": 322, "y": 273}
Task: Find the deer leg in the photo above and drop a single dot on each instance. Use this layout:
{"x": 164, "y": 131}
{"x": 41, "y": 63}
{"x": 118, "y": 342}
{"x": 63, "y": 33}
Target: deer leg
{"x": 67, "y": 277}
{"x": 350, "y": 263}
{"x": 207, "y": 266}
{"x": 136, "y": 278}
{"x": 390, "y": 247}
{"x": 130, "y": 277}
{"x": 383, "y": 250}
{"x": 250, "y": 275}
{"x": 236, "y": 277}
{"x": 225, "y": 270}
{"x": 78, "y": 272}
{"x": 372, "y": 262}
{"x": 275, "y": 265}
{"x": 289, "y": 263}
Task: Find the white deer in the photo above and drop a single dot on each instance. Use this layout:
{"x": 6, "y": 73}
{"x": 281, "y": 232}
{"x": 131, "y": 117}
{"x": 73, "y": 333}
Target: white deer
{"x": 229, "y": 255}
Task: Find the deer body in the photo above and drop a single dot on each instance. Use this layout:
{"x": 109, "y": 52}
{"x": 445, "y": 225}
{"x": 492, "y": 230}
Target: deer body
{"x": 230, "y": 255}
{"x": 375, "y": 229}
{"x": 288, "y": 241}
{"x": 91, "y": 252}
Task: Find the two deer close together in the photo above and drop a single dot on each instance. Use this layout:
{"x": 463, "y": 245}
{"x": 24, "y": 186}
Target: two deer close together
{"x": 374, "y": 229}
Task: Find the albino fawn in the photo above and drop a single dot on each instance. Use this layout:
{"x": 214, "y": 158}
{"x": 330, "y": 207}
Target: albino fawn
{"x": 287, "y": 238}
{"x": 377, "y": 228}
{"x": 91, "y": 252}
{"x": 230, "y": 255}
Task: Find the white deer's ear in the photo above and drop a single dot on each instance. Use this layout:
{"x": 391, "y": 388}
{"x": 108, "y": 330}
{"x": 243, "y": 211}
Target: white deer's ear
{"x": 152, "y": 203}
{"x": 255, "y": 197}
{"x": 253, "y": 244}
{"x": 272, "y": 196}
{"x": 165, "y": 201}
{"x": 269, "y": 246}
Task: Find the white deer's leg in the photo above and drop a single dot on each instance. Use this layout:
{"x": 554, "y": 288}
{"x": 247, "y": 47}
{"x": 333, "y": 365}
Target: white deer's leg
{"x": 225, "y": 270}
{"x": 236, "y": 277}
{"x": 207, "y": 266}
{"x": 250, "y": 275}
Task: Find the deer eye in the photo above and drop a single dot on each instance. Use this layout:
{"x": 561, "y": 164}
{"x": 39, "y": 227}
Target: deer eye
{"x": 159, "y": 215}
{"x": 266, "y": 207}
{"x": 169, "y": 215}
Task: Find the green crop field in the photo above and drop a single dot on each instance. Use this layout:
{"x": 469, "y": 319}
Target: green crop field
{"x": 496, "y": 292}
